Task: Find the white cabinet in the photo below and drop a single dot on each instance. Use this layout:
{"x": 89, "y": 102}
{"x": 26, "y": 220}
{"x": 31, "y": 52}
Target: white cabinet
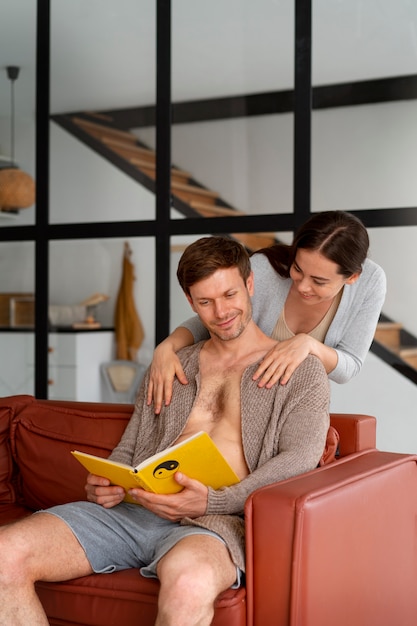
{"x": 73, "y": 363}
{"x": 16, "y": 354}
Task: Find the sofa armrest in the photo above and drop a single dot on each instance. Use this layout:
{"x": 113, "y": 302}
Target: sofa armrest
{"x": 335, "y": 545}
{"x": 357, "y": 432}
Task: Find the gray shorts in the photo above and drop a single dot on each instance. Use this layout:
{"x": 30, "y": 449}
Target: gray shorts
{"x": 125, "y": 536}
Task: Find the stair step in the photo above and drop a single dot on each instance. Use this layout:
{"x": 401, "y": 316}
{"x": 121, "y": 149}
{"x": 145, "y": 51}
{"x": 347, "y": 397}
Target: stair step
{"x": 201, "y": 199}
{"x": 255, "y": 241}
{"x": 100, "y": 131}
{"x": 123, "y": 143}
{"x": 388, "y": 333}
{"x": 188, "y": 193}
{"x": 100, "y": 116}
{"x": 130, "y": 151}
{"x": 409, "y": 355}
{"x": 144, "y": 159}
{"x": 148, "y": 168}
{"x": 210, "y": 210}
{"x": 179, "y": 176}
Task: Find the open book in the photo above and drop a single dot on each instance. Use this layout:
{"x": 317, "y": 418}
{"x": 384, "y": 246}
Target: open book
{"x": 198, "y": 457}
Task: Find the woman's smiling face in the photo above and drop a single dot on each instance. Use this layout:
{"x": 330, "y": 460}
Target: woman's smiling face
{"x": 315, "y": 278}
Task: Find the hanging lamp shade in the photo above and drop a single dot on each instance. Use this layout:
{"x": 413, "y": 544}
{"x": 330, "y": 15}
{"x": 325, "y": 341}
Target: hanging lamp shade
{"x": 17, "y": 189}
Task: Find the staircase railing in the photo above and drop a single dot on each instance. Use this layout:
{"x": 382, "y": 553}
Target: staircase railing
{"x": 397, "y": 347}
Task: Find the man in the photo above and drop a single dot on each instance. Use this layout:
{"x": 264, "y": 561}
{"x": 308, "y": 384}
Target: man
{"x": 193, "y": 541}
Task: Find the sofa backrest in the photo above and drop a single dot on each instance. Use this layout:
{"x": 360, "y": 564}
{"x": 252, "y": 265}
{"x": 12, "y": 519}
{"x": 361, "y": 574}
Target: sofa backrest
{"x": 37, "y": 436}
{"x": 42, "y": 435}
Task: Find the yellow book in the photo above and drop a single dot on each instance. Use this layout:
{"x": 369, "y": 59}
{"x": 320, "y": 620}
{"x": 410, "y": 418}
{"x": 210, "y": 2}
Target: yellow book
{"x": 198, "y": 457}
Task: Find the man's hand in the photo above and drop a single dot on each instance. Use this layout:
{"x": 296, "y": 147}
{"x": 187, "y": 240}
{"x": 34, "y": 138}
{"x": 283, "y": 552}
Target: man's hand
{"x": 100, "y": 491}
{"x": 190, "y": 502}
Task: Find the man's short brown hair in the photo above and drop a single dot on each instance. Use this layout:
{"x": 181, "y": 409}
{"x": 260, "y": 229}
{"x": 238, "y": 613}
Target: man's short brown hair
{"x": 209, "y": 254}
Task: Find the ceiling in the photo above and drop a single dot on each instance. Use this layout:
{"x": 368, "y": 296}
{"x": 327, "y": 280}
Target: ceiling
{"x": 103, "y": 51}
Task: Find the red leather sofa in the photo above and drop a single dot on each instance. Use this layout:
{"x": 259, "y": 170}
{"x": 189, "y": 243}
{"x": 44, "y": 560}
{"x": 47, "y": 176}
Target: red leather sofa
{"x": 335, "y": 545}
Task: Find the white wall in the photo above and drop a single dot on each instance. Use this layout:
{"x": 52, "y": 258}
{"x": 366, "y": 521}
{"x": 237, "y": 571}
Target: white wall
{"x": 17, "y": 266}
{"x": 248, "y": 161}
{"x": 380, "y": 391}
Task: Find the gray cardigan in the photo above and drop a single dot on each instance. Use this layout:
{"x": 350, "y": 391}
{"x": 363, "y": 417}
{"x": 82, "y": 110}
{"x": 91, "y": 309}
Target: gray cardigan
{"x": 283, "y": 432}
{"x": 352, "y": 329}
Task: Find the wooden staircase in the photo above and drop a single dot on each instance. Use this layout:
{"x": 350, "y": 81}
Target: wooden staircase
{"x": 188, "y": 196}
{"x": 393, "y": 336}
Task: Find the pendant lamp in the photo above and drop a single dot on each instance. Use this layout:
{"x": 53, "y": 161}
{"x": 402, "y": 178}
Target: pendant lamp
{"x": 17, "y": 189}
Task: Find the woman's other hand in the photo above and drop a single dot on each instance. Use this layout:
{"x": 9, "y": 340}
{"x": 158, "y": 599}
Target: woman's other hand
{"x": 280, "y": 363}
{"x": 165, "y": 366}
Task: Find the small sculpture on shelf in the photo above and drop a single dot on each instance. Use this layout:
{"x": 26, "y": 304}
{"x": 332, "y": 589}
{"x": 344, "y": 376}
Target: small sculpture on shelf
{"x": 82, "y": 315}
{"x": 91, "y": 305}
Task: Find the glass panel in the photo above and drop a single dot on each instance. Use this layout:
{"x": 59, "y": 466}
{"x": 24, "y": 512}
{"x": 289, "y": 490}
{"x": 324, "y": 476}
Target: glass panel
{"x": 102, "y": 68}
{"x": 85, "y": 278}
{"x": 16, "y": 318}
{"x": 398, "y": 258}
{"x": 227, "y": 163}
{"x": 364, "y": 156}
{"x": 17, "y": 112}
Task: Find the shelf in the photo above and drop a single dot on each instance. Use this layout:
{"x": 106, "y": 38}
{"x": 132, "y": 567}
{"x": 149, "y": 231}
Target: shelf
{"x": 8, "y": 215}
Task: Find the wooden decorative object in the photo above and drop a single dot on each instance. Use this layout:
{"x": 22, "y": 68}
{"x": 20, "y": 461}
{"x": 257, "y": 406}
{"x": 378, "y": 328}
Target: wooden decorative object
{"x": 22, "y": 312}
{"x": 17, "y": 189}
{"x": 17, "y": 310}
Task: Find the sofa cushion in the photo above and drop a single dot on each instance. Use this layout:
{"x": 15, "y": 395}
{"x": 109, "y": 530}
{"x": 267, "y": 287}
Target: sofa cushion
{"x": 122, "y": 598}
{"x": 10, "y": 513}
{"x": 331, "y": 448}
{"x": 9, "y": 407}
{"x": 7, "y": 492}
{"x": 42, "y": 437}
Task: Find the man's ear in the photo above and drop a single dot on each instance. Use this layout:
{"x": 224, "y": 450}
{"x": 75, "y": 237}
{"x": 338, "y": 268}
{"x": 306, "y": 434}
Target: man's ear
{"x": 352, "y": 279}
{"x": 190, "y": 300}
{"x": 250, "y": 284}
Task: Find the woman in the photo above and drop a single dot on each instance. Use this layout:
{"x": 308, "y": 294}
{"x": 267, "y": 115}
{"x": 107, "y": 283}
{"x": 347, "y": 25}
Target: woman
{"x": 321, "y": 295}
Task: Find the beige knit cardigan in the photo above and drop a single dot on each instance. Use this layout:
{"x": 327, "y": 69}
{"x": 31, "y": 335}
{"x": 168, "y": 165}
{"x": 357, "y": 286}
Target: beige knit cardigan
{"x": 283, "y": 432}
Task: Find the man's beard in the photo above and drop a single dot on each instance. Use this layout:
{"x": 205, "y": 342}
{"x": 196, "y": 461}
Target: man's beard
{"x": 234, "y": 332}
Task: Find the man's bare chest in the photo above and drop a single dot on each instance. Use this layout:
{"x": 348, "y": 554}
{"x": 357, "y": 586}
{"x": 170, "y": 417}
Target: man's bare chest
{"x": 218, "y": 396}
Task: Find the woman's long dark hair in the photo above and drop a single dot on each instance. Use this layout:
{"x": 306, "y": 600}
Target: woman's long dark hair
{"x": 339, "y": 236}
